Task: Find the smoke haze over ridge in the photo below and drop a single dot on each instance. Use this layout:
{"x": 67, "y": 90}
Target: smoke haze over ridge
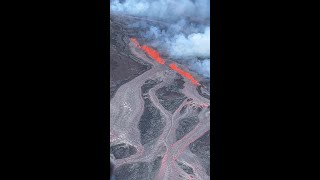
{"x": 185, "y": 37}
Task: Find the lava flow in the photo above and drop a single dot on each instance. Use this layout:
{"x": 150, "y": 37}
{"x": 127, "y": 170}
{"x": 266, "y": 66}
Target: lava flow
{"x": 153, "y": 53}
{"x": 135, "y": 42}
{"x": 183, "y": 73}
{"x": 156, "y": 56}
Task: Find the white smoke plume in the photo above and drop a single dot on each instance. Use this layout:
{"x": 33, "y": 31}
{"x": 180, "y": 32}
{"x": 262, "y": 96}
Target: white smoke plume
{"x": 193, "y": 45}
{"x": 204, "y": 65}
{"x": 184, "y": 34}
{"x": 162, "y": 9}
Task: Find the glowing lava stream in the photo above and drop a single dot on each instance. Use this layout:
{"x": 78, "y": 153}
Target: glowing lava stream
{"x": 153, "y": 53}
{"x": 156, "y": 56}
{"x": 184, "y": 73}
{"x": 135, "y": 42}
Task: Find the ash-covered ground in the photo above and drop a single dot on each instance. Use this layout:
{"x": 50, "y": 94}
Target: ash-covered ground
{"x": 160, "y": 121}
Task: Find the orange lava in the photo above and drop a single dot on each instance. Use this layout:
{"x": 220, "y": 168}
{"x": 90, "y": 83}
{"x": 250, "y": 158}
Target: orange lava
{"x": 184, "y": 73}
{"x": 156, "y": 56}
{"x": 153, "y": 53}
{"x": 135, "y": 42}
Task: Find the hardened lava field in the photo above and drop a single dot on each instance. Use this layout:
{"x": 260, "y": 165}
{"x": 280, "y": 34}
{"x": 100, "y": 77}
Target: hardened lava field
{"x": 160, "y": 120}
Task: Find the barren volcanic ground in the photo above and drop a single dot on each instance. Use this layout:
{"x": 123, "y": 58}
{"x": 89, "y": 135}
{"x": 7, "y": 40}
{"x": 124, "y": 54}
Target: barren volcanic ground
{"x": 160, "y": 121}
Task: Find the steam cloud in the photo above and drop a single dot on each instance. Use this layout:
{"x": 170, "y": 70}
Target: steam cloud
{"x": 183, "y": 31}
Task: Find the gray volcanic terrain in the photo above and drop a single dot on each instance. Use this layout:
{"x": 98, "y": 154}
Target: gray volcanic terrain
{"x": 170, "y": 96}
{"x": 123, "y": 66}
{"x": 159, "y": 120}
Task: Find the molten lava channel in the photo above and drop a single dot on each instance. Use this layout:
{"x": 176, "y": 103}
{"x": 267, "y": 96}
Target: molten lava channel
{"x": 135, "y": 42}
{"x": 156, "y": 56}
{"x": 184, "y": 73}
{"x": 153, "y": 53}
